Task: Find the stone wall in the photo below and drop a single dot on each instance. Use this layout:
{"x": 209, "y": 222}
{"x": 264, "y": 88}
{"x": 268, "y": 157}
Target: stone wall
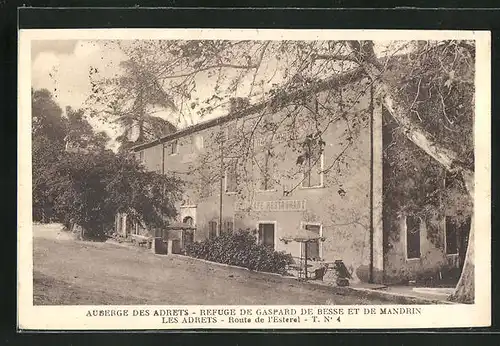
{"x": 341, "y": 205}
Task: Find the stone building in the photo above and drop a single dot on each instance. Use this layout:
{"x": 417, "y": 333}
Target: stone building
{"x": 260, "y": 168}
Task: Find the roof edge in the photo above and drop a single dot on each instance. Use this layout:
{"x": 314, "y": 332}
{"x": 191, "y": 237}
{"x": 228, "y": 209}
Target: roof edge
{"x": 322, "y": 85}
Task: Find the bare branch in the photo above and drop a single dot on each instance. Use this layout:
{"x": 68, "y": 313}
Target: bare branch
{"x": 334, "y": 57}
{"x": 243, "y": 67}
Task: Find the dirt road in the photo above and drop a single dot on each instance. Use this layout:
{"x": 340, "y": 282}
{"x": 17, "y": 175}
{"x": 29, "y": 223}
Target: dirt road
{"x": 73, "y": 272}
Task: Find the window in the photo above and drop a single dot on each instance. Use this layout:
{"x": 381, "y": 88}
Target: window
{"x": 137, "y": 228}
{"x": 204, "y": 187}
{"x": 140, "y": 156}
{"x": 196, "y": 143}
{"x": 412, "y": 237}
{"x": 172, "y": 148}
{"x": 212, "y": 229}
{"x": 313, "y": 170}
{"x": 266, "y": 234}
{"x": 192, "y": 144}
{"x": 451, "y": 234}
{"x": 122, "y": 224}
{"x": 188, "y": 220}
{"x": 230, "y": 130}
{"x": 231, "y": 178}
{"x": 266, "y": 178}
{"x": 228, "y": 227}
{"x": 313, "y": 252}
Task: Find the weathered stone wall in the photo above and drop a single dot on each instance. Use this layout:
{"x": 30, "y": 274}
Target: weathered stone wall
{"x": 341, "y": 205}
{"x": 433, "y": 265}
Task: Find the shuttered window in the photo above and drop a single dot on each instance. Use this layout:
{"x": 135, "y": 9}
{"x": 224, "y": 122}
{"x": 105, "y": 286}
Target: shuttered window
{"x": 231, "y": 177}
{"x": 212, "y": 229}
{"x": 228, "y": 227}
{"x": 412, "y": 237}
{"x": 313, "y": 246}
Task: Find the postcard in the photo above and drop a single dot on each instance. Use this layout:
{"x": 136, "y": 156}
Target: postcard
{"x": 253, "y": 179}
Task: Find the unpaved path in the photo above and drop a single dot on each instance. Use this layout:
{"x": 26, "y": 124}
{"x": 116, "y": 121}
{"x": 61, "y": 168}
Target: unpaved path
{"x": 68, "y": 271}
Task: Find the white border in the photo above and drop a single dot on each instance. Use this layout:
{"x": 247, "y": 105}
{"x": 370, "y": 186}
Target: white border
{"x": 73, "y": 317}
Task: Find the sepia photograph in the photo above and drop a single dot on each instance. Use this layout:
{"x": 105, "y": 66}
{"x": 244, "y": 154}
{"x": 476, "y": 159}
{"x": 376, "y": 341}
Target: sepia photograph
{"x": 258, "y": 170}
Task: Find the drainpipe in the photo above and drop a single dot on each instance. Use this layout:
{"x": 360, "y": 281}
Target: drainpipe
{"x": 371, "y": 184}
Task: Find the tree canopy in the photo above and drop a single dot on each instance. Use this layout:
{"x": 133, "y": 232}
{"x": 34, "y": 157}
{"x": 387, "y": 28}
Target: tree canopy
{"x": 89, "y": 184}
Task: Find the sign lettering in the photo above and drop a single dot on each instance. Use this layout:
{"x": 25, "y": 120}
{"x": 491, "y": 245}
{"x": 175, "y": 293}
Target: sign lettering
{"x": 276, "y": 205}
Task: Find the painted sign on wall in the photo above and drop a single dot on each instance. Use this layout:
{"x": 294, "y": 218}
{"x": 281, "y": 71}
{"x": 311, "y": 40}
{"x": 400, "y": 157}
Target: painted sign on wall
{"x": 276, "y": 205}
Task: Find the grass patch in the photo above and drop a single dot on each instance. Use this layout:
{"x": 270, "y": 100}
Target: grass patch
{"x": 50, "y": 291}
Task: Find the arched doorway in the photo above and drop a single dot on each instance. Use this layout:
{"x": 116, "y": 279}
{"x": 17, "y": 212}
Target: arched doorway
{"x": 188, "y": 235}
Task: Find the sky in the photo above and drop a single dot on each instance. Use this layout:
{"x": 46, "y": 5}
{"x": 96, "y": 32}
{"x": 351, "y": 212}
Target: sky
{"x": 62, "y": 67}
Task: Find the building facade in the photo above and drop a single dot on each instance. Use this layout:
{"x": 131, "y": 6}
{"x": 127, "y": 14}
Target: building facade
{"x": 277, "y": 169}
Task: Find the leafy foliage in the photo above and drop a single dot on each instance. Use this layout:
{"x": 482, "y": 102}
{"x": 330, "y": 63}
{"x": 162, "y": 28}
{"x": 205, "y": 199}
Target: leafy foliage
{"x": 128, "y": 99}
{"x": 240, "y": 249}
{"x": 47, "y": 120}
{"x": 48, "y": 133}
{"x": 436, "y": 84}
{"x": 89, "y": 187}
{"x": 80, "y": 133}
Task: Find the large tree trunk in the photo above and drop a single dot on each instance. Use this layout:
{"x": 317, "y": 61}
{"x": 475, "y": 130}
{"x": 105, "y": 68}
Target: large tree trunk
{"x": 464, "y": 291}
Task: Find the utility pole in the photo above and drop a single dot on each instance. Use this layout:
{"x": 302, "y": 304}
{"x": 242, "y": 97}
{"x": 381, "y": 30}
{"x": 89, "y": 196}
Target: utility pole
{"x": 221, "y": 190}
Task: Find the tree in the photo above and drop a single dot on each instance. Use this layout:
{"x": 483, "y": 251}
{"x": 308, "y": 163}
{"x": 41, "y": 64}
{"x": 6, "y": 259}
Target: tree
{"x": 447, "y": 68}
{"x": 427, "y": 88}
{"x": 77, "y": 181}
{"x": 129, "y": 99}
{"x": 90, "y": 189}
{"x": 81, "y": 135}
{"x": 48, "y": 133}
{"x": 47, "y": 117}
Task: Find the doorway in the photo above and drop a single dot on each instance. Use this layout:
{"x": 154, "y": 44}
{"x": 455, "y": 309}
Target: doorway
{"x": 266, "y": 234}
{"x": 188, "y": 234}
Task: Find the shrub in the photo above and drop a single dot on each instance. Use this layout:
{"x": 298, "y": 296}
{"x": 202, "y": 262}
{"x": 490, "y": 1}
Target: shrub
{"x": 241, "y": 249}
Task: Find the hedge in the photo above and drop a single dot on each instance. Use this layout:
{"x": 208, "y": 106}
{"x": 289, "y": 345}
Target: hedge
{"x": 240, "y": 249}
